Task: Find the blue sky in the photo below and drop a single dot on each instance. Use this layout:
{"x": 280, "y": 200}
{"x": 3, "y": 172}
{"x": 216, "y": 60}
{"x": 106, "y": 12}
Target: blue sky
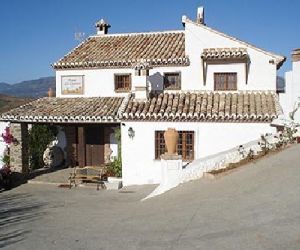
{"x": 36, "y": 33}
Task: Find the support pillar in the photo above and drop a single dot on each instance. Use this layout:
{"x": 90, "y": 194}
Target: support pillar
{"x": 19, "y": 155}
{"x": 81, "y": 146}
{"x": 171, "y": 166}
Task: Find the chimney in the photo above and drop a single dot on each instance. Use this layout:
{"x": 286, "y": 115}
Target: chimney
{"x": 51, "y": 93}
{"x": 183, "y": 20}
{"x": 102, "y": 27}
{"x": 140, "y": 81}
{"x": 200, "y": 15}
{"x": 296, "y": 55}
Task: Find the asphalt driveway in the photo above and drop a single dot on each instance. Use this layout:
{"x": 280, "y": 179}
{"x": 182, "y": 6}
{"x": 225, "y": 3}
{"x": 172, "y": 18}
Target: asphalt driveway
{"x": 255, "y": 207}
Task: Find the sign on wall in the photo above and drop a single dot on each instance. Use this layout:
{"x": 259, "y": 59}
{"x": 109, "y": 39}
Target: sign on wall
{"x": 72, "y": 85}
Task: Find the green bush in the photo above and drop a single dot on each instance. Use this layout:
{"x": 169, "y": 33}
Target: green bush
{"x": 115, "y": 167}
{"x": 5, "y": 159}
{"x": 39, "y": 138}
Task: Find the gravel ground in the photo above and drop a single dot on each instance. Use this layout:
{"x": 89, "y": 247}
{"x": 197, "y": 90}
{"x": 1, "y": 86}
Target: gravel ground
{"x": 255, "y": 207}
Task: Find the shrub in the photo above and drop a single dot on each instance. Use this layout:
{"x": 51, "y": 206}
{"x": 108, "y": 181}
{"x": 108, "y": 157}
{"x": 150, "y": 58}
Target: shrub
{"x": 39, "y": 138}
{"x": 6, "y": 160}
{"x": 265, "y": 146}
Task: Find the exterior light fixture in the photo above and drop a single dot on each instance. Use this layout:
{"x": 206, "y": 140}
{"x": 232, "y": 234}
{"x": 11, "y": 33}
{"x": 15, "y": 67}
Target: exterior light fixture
{"x": 131, "y": 133}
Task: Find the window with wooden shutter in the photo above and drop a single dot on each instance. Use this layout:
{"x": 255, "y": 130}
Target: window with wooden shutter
{"x": 172, "y": 81}
{"x": 122, "y": 82}
{"x": 185, "y": 145}
{"x": 225, "y": 81}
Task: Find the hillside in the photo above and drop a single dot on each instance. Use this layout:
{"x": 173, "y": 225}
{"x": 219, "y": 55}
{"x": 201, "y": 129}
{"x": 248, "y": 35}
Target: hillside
{"x": 9, "y": 102}
{"x": 32, "y": 88}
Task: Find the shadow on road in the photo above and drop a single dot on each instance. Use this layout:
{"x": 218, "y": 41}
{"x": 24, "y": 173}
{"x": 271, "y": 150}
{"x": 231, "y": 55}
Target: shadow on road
{"x": 16, "y": 211}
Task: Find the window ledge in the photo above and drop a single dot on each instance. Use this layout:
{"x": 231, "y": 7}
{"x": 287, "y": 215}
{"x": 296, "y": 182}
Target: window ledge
{"x": 122, "y": 90}
{"x": 226, "y": 90}
{"x": 172, "y": 88}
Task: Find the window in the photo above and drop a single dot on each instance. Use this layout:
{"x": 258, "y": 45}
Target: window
{"x": 225, "y": 81}
{"x": 122, "y": 82}
{"x": 185, "y": 145}
{"x": 172, "y": 80}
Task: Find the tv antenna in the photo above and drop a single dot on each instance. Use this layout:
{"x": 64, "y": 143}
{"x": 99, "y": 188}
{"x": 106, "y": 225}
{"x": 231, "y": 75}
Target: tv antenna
{"x": 79, "y": 36}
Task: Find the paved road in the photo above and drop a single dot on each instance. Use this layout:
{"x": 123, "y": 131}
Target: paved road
{"x": 255, "y": 207}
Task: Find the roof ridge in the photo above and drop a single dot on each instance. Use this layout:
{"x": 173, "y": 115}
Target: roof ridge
{"x": 138, "y": 33}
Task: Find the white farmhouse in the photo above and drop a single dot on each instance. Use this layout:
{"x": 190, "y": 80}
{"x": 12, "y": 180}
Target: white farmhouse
{"x": 216, "y": 90}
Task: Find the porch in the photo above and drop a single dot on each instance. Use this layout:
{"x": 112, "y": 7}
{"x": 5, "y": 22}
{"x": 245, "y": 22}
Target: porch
{"x": 86, "y": 128}
{"x": 90, "y": 144}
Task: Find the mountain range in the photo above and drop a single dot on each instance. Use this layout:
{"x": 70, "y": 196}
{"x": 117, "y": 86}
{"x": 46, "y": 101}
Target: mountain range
{"x": 9, "y": 102}
{"x": 32, "y": 88}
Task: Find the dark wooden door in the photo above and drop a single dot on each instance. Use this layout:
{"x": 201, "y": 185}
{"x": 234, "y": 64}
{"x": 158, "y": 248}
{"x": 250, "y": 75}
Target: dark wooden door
{"x": 94, "y": 138}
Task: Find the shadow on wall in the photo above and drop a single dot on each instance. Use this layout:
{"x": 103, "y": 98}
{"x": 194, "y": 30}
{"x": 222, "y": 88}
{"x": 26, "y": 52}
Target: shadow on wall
{"x": 156, "y": 82}
{"x": 16, "y": 210}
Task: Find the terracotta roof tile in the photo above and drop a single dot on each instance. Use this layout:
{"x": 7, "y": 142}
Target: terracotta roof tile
{"x": 161, "y": 48}
{"x": 65, "y": 110}
{"x": 181, "y": 106}
{"x": 224, "y": 53}
{"x": 205, "y": 106}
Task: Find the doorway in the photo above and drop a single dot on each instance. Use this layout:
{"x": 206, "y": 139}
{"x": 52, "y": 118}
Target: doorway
{"x": 94, "y": 148}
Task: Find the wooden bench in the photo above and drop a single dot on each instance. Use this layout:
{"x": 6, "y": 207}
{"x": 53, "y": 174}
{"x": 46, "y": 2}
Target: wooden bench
{"x": 88, "y": 174}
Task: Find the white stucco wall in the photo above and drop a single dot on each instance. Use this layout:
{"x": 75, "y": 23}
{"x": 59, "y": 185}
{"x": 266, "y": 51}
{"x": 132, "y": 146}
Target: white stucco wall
{"x": 113, "y": 146}
{"x": 262, "y": 74}
{"x": 100, "y": 82}
{"x": 138, "y": 154}
{"x": 291, "y": 97}
{"x": 3, "y": 125}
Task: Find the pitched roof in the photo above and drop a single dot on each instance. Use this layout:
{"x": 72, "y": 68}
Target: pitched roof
{"x": 251, "y": 106}
{"x": 224, "y": 53}
{"x": 67, "y": 110}
{"x": 205, "y": 106}
{"x": 124, "y": 50}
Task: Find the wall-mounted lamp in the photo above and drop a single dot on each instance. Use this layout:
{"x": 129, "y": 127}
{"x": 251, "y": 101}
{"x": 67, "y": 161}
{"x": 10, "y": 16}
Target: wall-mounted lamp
{"x": 131, "y": 133}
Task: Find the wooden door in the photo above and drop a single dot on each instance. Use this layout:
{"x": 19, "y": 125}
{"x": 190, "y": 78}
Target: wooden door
{"x": 94, "y": 138}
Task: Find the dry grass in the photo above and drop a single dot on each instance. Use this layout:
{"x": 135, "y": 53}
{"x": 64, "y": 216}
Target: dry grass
{"x": 10, "y": 102}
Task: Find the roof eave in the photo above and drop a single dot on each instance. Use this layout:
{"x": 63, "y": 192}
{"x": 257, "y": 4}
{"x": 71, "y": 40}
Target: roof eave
{"x": 280, "y": 62}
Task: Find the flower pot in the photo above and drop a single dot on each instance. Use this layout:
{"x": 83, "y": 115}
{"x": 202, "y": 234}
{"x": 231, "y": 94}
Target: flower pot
{"x": 171, "y": 139}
